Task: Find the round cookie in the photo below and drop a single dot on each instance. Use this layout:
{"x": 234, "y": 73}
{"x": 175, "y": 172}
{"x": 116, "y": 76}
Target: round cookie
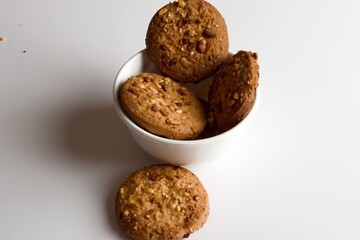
{"x": 161, "y": 202}
{"x": 187, "y": 40}
{"x": 163, "y": 106}
{"x": 233, "y": 91}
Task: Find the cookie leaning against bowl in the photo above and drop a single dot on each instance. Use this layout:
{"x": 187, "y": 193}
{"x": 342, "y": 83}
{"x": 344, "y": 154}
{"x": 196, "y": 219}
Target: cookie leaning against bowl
{"x": 163, "y": 106}
{"x": 161, "y": 202}
{"x": 233, "y": 91}
{"x": 187, "y": 40}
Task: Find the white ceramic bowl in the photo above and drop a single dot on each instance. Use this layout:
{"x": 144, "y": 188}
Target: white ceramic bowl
{"x": 178, "y": 152}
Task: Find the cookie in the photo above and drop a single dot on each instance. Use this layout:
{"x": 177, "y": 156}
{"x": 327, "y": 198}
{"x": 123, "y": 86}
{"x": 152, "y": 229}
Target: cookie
{"x": 187, "y": 40}
{"x": 163, "y": 106}
{"x": 161, "y": 202}
{"x": 233, "y": 91}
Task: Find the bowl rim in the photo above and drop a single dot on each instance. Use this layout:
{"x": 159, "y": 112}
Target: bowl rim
{"x": 130, "y": 124}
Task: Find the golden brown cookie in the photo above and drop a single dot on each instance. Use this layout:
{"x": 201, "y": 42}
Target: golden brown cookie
{"x": 161, "y": 202}
{"x": 163, "y": 106}
{"x": 187, "y": 40}
{"x": 233, "y": 91}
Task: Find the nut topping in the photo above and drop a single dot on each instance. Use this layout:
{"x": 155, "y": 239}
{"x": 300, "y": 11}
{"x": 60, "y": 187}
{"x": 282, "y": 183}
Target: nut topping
{"x": 196, "y": 198}
{"x": 155, "y": 177}
{"x": 164, "y": 112}
{"x": 134, "y": 91}
{"x": 236, "y": 96}
{"x": 163, "y": 11}
{"x": 163, "y": 47}
{"x": 236, "y": 66}
{"x": 150, "y": 190}
{"x": 181, "y": 92}
{"x": 173, "y": 62}
{"x": 154, "y": 108}
{"x": 172, "y": 121}
{"x": 182, "y": 22}
{"x": 181, "y": 3}
{"x": 191, "y": 32}
{"x": 172, "y": 205}
{"x": 230, "y": 103}
{"x": 201, "y": 46}
{"x": 178, "y": 104}
{"x": 139, "y": 85}
{"x": 184, "y": 62}
{"x": 208, "y": 33}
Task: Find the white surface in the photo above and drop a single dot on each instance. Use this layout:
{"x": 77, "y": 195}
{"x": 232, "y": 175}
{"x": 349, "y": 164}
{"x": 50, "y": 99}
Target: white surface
{"x": 295, "y": 174}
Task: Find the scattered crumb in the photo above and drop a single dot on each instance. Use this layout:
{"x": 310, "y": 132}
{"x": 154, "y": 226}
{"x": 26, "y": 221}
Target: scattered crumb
{"x": 2, "y": 39}
{"x": 24, "y": 51}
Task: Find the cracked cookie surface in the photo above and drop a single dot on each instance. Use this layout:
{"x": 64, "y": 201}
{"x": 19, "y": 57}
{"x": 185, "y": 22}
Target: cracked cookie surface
{"x": 161, "y": 201}
{"x": 187, "y": 40}
{"x": 163, "y": 106}
{"x": 233, "y": 91}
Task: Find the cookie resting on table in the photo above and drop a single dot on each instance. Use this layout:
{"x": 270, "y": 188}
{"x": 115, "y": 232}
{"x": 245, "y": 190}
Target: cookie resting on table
{"x": 161, "y": 202}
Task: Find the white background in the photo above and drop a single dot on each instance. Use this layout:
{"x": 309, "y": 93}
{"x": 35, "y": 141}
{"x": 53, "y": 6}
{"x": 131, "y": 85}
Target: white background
{"x": 63, "y": 150}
